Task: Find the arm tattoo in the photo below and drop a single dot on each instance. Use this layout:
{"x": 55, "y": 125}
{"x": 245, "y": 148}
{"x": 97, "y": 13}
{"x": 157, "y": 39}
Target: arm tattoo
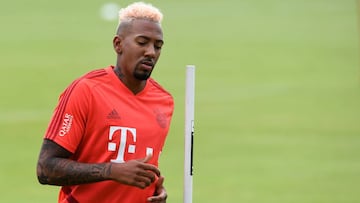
{"x": 55, "y": 167}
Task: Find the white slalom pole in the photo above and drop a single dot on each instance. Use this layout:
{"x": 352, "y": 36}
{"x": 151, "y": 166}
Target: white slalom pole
{"x": 189, "y": 132}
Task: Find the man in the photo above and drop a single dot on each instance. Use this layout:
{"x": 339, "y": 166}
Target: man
{"x": 109, "y": 127}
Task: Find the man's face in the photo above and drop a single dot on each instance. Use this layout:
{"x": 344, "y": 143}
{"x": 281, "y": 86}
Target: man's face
{"x": 140, "y": 49}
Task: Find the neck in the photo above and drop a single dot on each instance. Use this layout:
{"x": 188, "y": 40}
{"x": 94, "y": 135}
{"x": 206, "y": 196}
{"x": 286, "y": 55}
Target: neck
{"x": 133, "y": 84}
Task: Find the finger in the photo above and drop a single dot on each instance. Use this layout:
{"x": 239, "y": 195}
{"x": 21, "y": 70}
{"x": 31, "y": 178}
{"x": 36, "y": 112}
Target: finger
{"x": 149, "y": 167}
{"x": 147, "y": 174}
{"x": 160, "y": 181}
{"x": 146, "y": 159}
{"x": 142, "y": 182}
{"x": 158, "y": 198}
{"x": 160, "y": 193}
{"x": 152, "y": 168}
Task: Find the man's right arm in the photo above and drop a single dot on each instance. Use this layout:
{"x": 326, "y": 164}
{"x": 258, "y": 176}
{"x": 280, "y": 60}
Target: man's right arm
{"x": 55, "y": 167}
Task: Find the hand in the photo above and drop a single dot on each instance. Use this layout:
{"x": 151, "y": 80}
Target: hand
{"x": 160, "y": 192}
{"x": 136, "y": 173}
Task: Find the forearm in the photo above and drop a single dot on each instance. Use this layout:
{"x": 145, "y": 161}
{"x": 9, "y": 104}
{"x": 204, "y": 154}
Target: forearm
{"x": 60, "y": 171}
{"x": 56, "y": 168}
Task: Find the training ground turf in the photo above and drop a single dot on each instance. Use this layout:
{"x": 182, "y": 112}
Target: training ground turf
{"x": 277, "y": 94}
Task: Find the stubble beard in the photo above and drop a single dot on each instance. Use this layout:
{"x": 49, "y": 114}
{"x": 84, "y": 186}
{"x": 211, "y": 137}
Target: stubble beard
{"x": 141, "y": 75}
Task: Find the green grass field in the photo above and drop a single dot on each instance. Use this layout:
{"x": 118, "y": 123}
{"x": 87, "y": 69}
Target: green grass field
{"x": 277, "y": 94}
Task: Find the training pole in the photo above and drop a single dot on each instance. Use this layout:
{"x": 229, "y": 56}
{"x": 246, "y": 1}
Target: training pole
{"x": 189, "y": 132}
{"x": 358, "y": 22}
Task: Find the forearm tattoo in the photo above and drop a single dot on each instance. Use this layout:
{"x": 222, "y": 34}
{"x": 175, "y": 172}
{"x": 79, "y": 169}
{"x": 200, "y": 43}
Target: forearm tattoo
{"x": 55, "y": 168}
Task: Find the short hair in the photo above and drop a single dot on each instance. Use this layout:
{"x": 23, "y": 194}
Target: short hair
{"x": 140, "y": 10}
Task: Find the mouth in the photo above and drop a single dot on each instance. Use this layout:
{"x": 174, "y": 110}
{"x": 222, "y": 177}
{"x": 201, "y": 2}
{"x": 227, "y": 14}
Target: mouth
{"x": 147, "y": 64}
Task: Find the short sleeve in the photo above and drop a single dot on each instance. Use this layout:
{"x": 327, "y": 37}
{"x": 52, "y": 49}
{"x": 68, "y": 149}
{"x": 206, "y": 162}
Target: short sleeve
{"x": 68, "y": 122}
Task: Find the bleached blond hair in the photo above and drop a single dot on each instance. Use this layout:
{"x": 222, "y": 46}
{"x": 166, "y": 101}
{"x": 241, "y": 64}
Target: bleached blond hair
{"x": 140, "y": 10}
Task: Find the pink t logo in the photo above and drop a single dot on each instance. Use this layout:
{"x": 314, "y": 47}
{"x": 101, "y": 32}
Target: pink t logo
{"x": 112, "y": 146}
{"x": 123, "y": 136}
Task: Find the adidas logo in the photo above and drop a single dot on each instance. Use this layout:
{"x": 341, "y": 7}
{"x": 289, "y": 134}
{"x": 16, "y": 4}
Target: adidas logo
{"x": 113, "y": 115}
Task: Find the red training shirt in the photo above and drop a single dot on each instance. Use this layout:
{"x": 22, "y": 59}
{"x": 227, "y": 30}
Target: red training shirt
{"x": 100, "y": 120}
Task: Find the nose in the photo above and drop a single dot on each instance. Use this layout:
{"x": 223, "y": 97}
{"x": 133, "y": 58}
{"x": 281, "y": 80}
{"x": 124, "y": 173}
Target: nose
{"x": 150, "y": 51}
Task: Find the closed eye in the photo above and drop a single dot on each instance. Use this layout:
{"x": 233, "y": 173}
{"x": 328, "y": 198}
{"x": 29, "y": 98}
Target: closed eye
{"x": 159, "y": 44}
{"x": 142, "y": 43}
{"x": 141, "y": 40}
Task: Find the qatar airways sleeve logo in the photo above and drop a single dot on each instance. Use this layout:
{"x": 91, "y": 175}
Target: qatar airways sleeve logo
{"x": 66, "y": 125}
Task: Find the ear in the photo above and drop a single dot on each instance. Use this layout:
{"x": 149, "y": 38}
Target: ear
{"x": 117, "y": 43}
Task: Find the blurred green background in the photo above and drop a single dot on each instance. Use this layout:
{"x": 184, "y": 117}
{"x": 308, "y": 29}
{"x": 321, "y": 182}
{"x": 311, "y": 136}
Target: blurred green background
{"x": 277, "y": 94}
